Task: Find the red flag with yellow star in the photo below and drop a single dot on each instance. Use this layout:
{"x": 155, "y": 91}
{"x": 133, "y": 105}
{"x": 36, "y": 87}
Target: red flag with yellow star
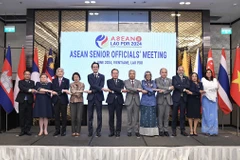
{"x": 235, "y": 84}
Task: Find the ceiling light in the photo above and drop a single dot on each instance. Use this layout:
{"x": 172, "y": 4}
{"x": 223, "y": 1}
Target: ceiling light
{"x": 91, "y": 14}
{"x": 173, "y": 14}
{"x": 87, "y": 2}
{"x": 235, "y": 4}
{"x": 181, "y": 3}
{"x": 96, "y": 14}
{"x": 178, "y": 15}
{"x": 188, "y": 3}
{"x": 93, "y": 1}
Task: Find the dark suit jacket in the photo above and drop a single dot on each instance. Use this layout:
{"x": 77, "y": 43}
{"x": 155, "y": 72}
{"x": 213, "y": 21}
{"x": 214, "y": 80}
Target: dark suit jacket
{"x": 96, "y": 85}
{"x": 62, "y": 96}
{"x": 116, "y": 94}
{"x": 24, "y": 87}
{"x": 179, "y": 86}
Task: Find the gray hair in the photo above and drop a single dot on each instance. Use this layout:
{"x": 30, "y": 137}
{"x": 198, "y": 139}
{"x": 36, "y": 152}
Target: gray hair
{"x": 131, "y": 70}
{"x": 163, "y": 69}
{"x": 59, "y": 69}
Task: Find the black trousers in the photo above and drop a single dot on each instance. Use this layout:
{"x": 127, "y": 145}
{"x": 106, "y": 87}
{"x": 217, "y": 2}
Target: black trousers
{"x": 182, "y": 105}
{"x": 60, "y": 108}
{"x": 25, "y": 116}
{"x": 91, "y": 104}
{"x": 111, "y": 110}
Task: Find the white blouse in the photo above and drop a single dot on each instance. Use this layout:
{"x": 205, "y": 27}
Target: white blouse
{"x": 211, "y": 88}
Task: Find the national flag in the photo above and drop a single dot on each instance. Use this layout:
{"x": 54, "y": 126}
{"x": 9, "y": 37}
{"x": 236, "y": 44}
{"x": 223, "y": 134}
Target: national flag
{"x": 185, "y": 63}
{"x": 45, "y": 60}
{"x": 210, "y": 64}
{"x": 19, "y": 76}
{"x": 198, "y": 65}
{"x": 50, "y": 66}
{"x": 224, "y": 87}
{"x": 6, "y": 85}
{"x": 35, "y": 67}
{"x": 235, "y": 84}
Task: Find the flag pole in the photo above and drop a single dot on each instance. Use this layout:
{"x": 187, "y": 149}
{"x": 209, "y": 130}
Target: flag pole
{"x": 6, "y": 121}
{"x": 222, "y": 121}
{"x": 237, "y": 121}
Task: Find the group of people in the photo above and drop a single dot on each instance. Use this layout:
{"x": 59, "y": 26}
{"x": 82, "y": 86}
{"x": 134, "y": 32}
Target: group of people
{"x": 180, "y": 93}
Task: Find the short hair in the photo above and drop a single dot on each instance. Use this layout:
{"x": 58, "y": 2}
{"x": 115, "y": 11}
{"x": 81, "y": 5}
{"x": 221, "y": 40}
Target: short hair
{"x": 198, "y": 80}
{"x": 180, "y": 67}
{"x": 59, "y": 69}
{"x": 43, "y": 74}
{"x": 131, "y": 70}
{"x": 26, "y": 71}
{"x": 94, "y": 63}
{"x": 163, "y": 69}
{"x": 211, "y": 78}
{"x": 114, "y": 69}
{"x": 76, "y": 73}
{"x": 145, "y": 74}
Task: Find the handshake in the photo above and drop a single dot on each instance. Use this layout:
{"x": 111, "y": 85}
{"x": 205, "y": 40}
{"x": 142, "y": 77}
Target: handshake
{"x": 162, "y": 90}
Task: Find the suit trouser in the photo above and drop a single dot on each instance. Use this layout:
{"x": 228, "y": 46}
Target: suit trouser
{"x": 111, "y": 109}
{"x": 60, "y": 108}
{"x": 98, "y": 105}
{"x": 182, "y": 104}
{"x": 133, "y": 117}
{"x": 76, "y": 116}
{"x": 163, "y": 115}
{"x": 25, "y": 116}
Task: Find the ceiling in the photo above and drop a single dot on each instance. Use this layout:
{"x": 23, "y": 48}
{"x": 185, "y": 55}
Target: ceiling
{"x": 223, "y": 8}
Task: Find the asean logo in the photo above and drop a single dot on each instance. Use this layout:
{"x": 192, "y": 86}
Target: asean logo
{"x": 101, "y": 41}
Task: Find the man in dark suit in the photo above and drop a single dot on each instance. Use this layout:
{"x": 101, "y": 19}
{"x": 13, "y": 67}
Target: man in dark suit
{"x": 25, "y": 100}
{"x": 115, "y": 102}
{"x": 95, "y": 98}
{"x": 60, "y": 85}
{"x": 181, "y": 84}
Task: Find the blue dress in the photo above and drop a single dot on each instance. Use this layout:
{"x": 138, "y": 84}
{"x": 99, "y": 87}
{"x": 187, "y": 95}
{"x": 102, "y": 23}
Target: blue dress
{"x": 43, "y": 103}
{"x": 148, "y": 120}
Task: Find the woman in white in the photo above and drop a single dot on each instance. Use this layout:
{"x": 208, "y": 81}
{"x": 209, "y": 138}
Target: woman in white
{"x": 209, "y": 105}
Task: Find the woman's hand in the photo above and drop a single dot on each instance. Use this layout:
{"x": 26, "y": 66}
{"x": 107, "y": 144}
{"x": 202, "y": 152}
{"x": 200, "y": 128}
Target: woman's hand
{"x": 144, "y": 91}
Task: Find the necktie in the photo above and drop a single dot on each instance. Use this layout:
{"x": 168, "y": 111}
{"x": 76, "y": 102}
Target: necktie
{"x": 164, "y": 82}
{"x": 95, "y": 75}
{"x": 60, "y": 82}
{"x": 132, "y": 83}
{"x": 115, "y": 81}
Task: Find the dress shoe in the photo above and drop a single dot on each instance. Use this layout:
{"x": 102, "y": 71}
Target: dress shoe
{"x": 63, "y": 134}
{"x": 28, "y": 133}
{"x": 174, "y": 134}
{"x": 117, "y": 134}
{"x": 21, "y": 134}
{"x": 161, "y": 134}
{"x": 90, "y": 134}
{"x": 129, "y": 134}
{"x": 56, "y": 133}
{"x": 184, "y": 133}
{"x": 98, "y": 134}
{"x": 138, "y": 135}
{"x": 166, "y": 134}
{"x": 111, "y": 134}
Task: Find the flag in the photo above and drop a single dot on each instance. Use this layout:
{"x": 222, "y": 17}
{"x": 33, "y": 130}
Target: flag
{"x": 224, "y": 87}
{"x": 235, "y": 84}
{"x": 35, "y": 67}
{"x": 6, "y": 85}
{"x": 198, "y": 65}
{"x": 185, "y": 63}
{"x": 50, "y": 66}
{"x": 44, "y": 68}
{"x": 210, "y": 64}
{"x": 19, "y": 76}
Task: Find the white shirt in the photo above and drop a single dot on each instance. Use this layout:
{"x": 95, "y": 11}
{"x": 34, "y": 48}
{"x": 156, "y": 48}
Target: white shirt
{"x": 211, "y": 88}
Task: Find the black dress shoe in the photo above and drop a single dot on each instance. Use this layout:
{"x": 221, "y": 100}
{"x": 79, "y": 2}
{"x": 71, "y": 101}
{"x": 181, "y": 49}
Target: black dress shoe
{"x": 117, "y": 134}
{"x": 166, "y": 134}
{"x": 90, "y": 134}
{"x": 129, "y": 134}
{"x": 138, "y": 135}
{"x": 21, "y": 134}
{"x": 174, "y": 134}
{"x": 63, "y": 134}
{"x": 98, "y": 135}
{"x": 184, "y": 133}
{"x": 111, "y": 135}
{"x": 56, "y": 133}
{"x": 28, "y": 133}
{"x": 161, "y": 134}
